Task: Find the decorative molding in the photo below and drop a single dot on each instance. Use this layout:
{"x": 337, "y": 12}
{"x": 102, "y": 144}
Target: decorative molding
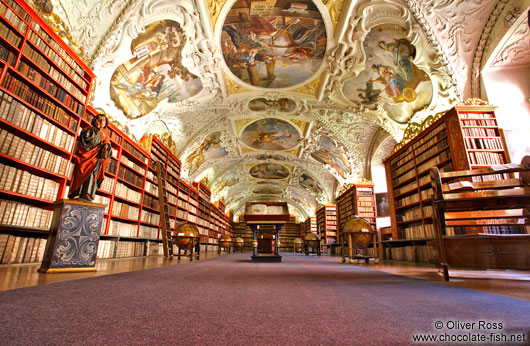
{"x": 310, "y": 88}
{"x": 233, "y": 87}
{"x": 335, "y": 10}
{"x": 482, "y": 43}
{"x": 215, "y": 6}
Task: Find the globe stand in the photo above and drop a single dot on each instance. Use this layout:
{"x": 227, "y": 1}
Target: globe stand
{"x": 194, "y": 249}
{"x": 358, "y": 234}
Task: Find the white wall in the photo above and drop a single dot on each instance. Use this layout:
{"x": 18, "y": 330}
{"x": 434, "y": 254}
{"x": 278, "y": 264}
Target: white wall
{"x": 509, "y": 89}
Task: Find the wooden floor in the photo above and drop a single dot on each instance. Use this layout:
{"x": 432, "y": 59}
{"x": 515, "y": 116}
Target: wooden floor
{"x": 509, "y": 283}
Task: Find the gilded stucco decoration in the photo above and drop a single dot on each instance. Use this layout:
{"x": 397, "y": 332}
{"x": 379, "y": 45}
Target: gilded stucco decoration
{"x": 358, "y": 128}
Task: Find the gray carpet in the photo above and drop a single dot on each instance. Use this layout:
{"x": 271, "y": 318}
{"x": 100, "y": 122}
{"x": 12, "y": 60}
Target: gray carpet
{"x": 228, "y": 300}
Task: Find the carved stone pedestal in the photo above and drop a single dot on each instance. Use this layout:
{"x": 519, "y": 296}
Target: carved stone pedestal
{"x": 74, "y": 236}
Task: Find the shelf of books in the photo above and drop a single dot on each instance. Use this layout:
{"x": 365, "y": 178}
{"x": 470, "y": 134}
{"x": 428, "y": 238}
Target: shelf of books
{"x": 327, "y": 224}
{"x": 310, "y": 225}
{"x": 44, "y": 87}
{"x": 465, "y": 137}
{"x": 357, "y": 200}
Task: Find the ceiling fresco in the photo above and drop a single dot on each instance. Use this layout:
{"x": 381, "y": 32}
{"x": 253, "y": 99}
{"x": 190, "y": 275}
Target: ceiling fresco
{"x": 273, "y": 44}
{"x": 271, "y": 96}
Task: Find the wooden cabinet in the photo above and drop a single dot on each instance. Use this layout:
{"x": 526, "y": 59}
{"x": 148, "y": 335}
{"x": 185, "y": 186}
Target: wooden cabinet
{"x": 466, "y": 137}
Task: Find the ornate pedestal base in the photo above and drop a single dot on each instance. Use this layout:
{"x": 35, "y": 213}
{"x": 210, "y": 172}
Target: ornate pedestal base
{"x": 74, "y": 236}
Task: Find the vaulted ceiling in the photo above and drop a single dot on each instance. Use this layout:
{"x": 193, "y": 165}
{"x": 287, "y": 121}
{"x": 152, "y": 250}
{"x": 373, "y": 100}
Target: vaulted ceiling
{"x": 284, "y": 100}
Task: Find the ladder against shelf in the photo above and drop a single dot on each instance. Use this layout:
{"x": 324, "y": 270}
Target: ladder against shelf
{"x": 465, "y": 137}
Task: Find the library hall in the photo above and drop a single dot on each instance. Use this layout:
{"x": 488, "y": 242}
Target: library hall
{"x": 264, "y": 172}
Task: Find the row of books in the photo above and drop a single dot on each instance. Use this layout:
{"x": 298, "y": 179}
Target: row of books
{"x": 25, "y": 119}
{"x": 129, "y": 249}
{"x": 151, "y": 218}
{"x": 132, "y": 165}
{"x": 20, "y": 149}
{"x": 122, "y": 229}
{"x": 18, "y": 9}
{"x": 480, "y": 132}
{"x": 485, "y": 158}
{"x": 10, "y": 15}
{"x": 48, "y": 107}
{"x": 125, "y": 210}
{"x": 479, "y": 122}
{"x": 15, "y": 213}
{"x": 22, "y": 182}
{"x": 15, "y": 249}
{"x": 7, "y": 55}
{"x": 494, "y": 143}
{"x": 128, "y": 147}
{"x": 10, "y": 35}
{"x": 126, "y": 193}
{"x": 417, "y": 231}
{"x": 52, "y": 54}
{"x": 131, "y": 176}
{"x": 435, "y": 161}
{"x": 47, "y": 82}
{"x": 150, "y": 202}
{"x": 434, "y": 136}
{"x": 148, "y": 232}
{"x": 48, "y": 85}
{"x": 420, "y": 253}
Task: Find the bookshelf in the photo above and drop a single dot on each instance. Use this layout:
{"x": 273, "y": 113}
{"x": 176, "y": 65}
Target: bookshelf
{"x": 465, "y": 137}
{"x": 44, "y": 87}
{"x": 326, "y": 220}
{"x": 310, "y": 225}
{"x": 357, "y": 200}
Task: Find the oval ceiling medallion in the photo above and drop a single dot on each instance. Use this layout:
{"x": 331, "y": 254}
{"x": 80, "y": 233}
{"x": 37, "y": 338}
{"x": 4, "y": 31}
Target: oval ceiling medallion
{"x": 267, "y": 190}
{"x": 269, "y": 171}
{"x": 270, "y": 134}
{"x": 273, "y": 44}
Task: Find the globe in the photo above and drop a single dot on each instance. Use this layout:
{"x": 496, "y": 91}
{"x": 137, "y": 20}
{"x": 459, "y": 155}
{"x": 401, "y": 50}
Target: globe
{"x": 360, "y": 230}
{"x": 186, "y": 236}
{"x": 312, "y": 240}
{"x": 298, "y": 243}
{"x": 239, "y": 242}
{"x": 224, "y": 241}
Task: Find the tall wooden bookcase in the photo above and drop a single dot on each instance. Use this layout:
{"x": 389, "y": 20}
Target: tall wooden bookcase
{"x": 327, "y": 224}
{"x": 44, "y": 88}
{"x": 465, "y": 137}
{"x": 310, "y": 225}
{"x": 357, "y": 200}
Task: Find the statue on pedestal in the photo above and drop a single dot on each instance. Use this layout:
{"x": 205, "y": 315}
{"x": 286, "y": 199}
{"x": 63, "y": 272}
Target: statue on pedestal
{"x": 90, "y": 159}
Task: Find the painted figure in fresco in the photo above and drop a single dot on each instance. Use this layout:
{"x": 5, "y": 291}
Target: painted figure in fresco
{"x": 269, "y": 171}
{"x": 271, "y": 134}
{"x": 264, "y": 49}
{"x": 210, "y": 148}
{"x": 404, "y": 76}
{"x": 91, "y": 155}
{"x": 369, "y": 95}
{"x": 309, "y": 183}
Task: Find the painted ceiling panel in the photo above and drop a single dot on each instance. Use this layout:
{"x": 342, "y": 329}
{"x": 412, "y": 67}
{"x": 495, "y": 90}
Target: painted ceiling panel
{"x": 278, "y": 99}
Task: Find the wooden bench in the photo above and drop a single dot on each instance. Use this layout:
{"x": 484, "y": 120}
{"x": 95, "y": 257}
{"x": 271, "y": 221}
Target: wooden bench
{"x": 482, "y": 202}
